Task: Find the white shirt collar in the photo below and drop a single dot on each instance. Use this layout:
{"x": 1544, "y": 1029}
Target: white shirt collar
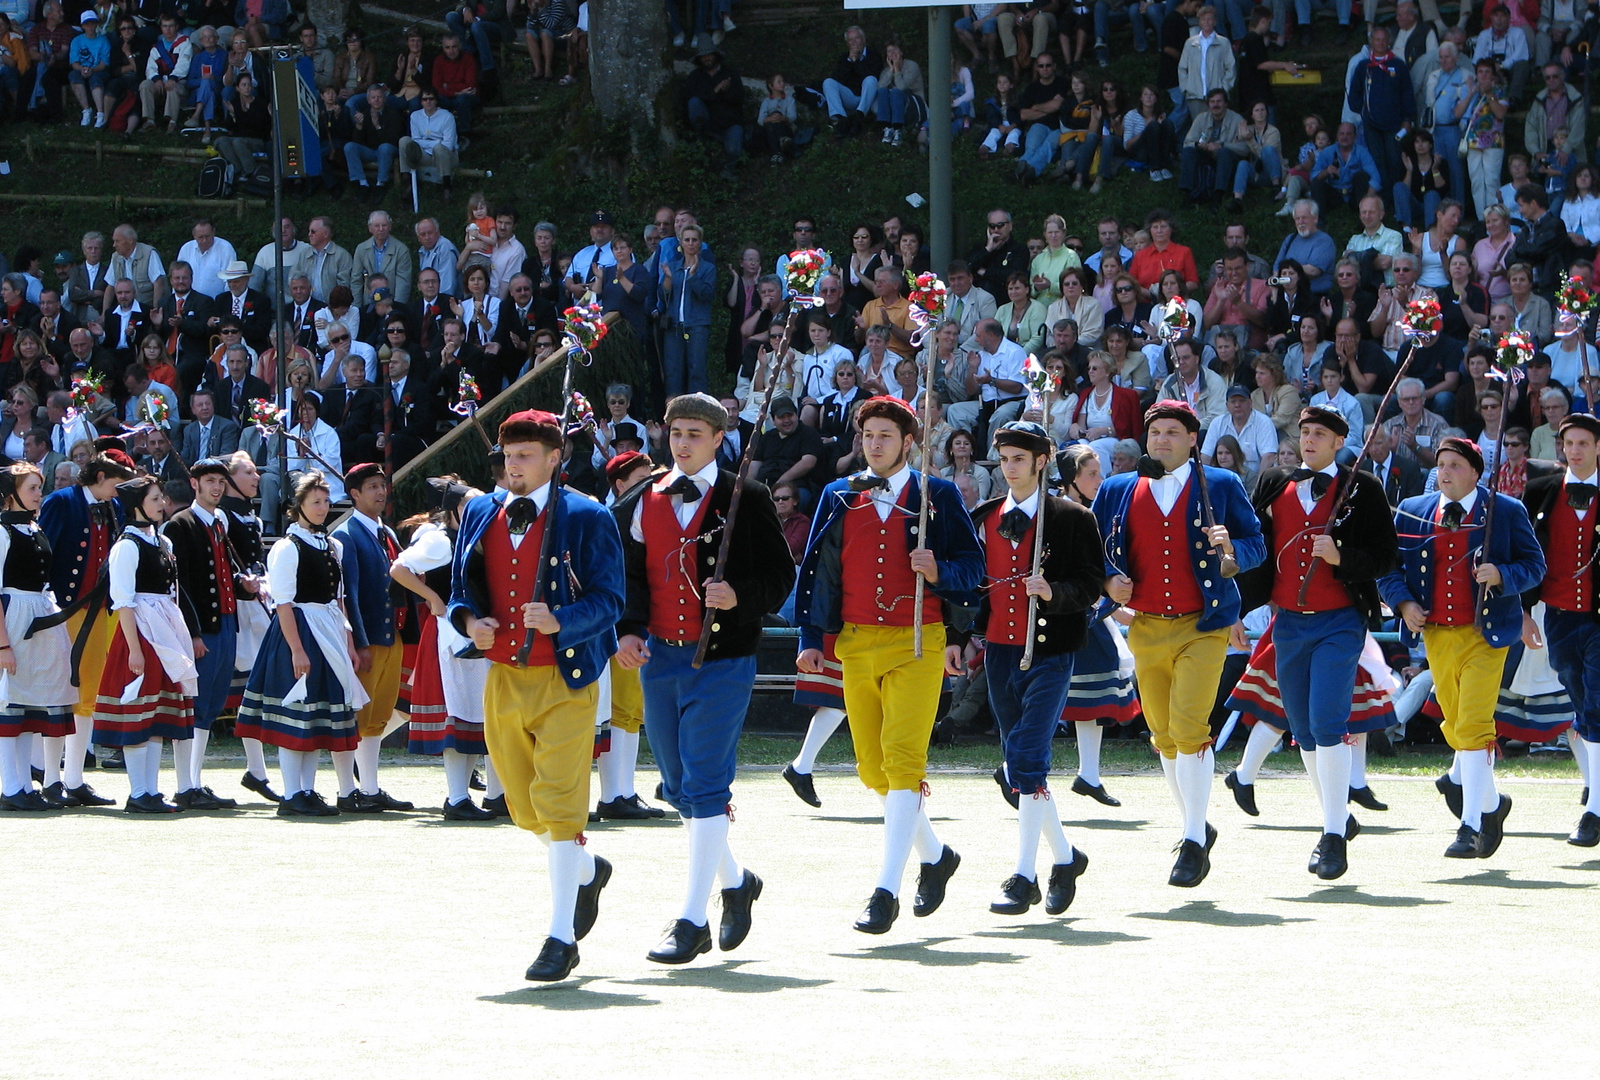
{"x": 1573, "y": 478}
{"x": 539, "y": 497}
{"x": 1029, "y": 506}
{"x": 315, "y": 539}
{"x": 1466, "y": 504}
{"x": 206, "y": 517}
{"x": 706, "y": 478}
{"x": 374, "y": 526}
{"x": 897, "y": 482}
{"x": 1178, "y": 476}
{"x": 1331, "y": 469}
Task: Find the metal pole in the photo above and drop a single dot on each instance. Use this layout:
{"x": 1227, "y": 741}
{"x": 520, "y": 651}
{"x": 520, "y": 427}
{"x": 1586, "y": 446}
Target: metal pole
{"x": 279, "y": 327}
{"x": 938, "y": 84}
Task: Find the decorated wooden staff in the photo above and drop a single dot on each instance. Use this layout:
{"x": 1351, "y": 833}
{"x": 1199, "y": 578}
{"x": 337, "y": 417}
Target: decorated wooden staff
{"x": 584, "y": 329}
{"x": 1176, "y": 323}
{"x": 468, "y": 397}
{"x": 270, "y": 420}
{"x": 802, "y": 272}
{"x": 927, "y": 305}
{"x": 1423, "y": 322}
{"x": 1516, "y": 348}
{"x": 1574, "y": 302}
{"x": 1042, "y": 384}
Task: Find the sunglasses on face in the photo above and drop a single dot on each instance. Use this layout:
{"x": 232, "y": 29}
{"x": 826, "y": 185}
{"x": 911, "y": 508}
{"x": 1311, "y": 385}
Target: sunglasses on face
{"x": 1124, "y": 288}
{"x": 338, "y": 340}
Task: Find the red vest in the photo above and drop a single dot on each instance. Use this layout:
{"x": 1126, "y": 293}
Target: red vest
{"x": 1454, "y": 591}
{"x": 676, "y": 608}
{"x": 224, "y": 569}
{"x": 878, "y": 583}
{"x": 99, "y": 552}
{"x": 1571, "y": 546}
{"x": 1293, "y": 531}
{"x": 1008, "y": 602}
{"x": 513, "y": 576}
{"x": 1158, "y": 555}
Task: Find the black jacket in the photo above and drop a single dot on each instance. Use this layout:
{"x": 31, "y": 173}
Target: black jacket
{"x": 222, "y": 394}
{"x": 1074, "y": 565}
{"x": 256, "y": 321}
{"x": 760, "y": 567}
{"x": 1404, "y": 479}
{"x": 991, "y": 268}
{"x": 358, "y": 422}
{"x": 1544, "y": 246}
{"x": 1364, "y": 532}
{"x": 194, "y": 339}
{"x": 1540, "y": 497}
{"x": 198, "y": 573}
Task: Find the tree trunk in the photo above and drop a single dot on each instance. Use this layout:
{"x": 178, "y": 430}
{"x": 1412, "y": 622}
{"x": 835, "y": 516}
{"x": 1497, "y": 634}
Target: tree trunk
{"x": 329, "y": 16}
{"x": 630, "y": 65}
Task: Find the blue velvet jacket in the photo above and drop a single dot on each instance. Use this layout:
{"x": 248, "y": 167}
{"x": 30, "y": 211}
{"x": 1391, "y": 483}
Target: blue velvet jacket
{"x": 590, "y": 580}
{"x": 954, "y": 543}
{"x": 64, "y": 520}
{"x": 367, "y": 583}
{"x": 1512, "y": 548}
{"x": 1232, "y": 508}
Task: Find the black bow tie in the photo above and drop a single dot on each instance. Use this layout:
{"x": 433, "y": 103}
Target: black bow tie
{"x": 1579, "y": 496}
{"x": 1014, "y": 525}
{"x": 1150, "y": 468}
{"x": 100, "y": 513}
{"x": 1454, "y": 512}
{"x": 1320, "y": 481}
{"x": 868, "y": 481}
{"x": 686, "y": 488}
{"x": 520, "y": 514}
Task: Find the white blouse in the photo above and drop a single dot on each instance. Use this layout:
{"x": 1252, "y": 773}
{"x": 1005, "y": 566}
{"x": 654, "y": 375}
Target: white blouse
{"x": 123, "y": 565}
{"x": 429, "y": 550}
{"x": 1582, "y": 215}
{"x": 469, "y": 316}
{"x": 283, "y": 562}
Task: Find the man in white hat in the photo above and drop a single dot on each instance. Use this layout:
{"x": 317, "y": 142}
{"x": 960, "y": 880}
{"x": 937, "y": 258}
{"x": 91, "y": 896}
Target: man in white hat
{"x": 208, "y": 254}
{"x": 239, "y": 301}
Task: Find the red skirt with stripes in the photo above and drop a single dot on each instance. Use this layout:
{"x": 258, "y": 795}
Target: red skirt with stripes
{"x": 1257, "y": 696}
{"x": 162, "y": 710}
{"x": 824, "y": 691}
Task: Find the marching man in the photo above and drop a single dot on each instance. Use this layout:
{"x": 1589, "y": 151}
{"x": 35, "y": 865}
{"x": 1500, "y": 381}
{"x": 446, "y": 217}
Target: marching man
{"x": 1319, "y": 641}
{"x": 858, "y": 581}
{"x": 1027, "y": 703}
{"x": 1166, "y": 565}
{"x": 673, "y": 531}
{"x": 1444, "y": 560}
{"x": 539, "y": 717}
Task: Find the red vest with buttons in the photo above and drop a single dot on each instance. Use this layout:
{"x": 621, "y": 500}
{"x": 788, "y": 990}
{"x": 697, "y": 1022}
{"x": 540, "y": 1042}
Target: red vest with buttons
{"x": 98, "y": 550}
{"x": 1571, "y": 546}
{"x": 1163, "y": 575}
{"x": 1293, "y": 531}
{"x": 515, "y": 574}
{"x": 878, "y": 582}
{"x": 1008, "y": 602}
{"x": 1454, "y": 591}
{"x": 226, "y": 602}
{"x": 676, "y": 608}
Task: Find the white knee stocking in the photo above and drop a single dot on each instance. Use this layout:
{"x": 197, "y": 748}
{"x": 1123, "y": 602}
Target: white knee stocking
{"x": 1455, "y": 769}
{"x": 1031, "y": 812}
{"x": 32, "y": 749}
{"x": 1056, "y": 836}
{"x": 457, "y": 775}
{"x": 1169, "y": 768}
{"x": 1592, "y": 756}
{"x": 10, "y": 782}
{"x": 1308, "y": 758}
{"x": 729, "y": 873}
{"x": 1090, "y": 735}
{"x": 570, "y": 867}
{"x": 197, "y": 756}
{"x": 344, "y": 764}
{"x": 824, "y": 722}
{"x": 1580, "y": 754}
{"x": 367, "y": 762}
{"x": 52, "y": 760}
{"x": 77, "y": 748}
{"x": 1477, "y": 786}
{"x": 607, "y": 764}
{"x": 708, "y": 840}
{"x": 290, "y": 764}
{"x": 183, "y": 763}
{"x": 1263, "y": 739}
{"x": 1333, "y": 771}
{"x": 492, "y": 787}
{"x": 626, "y": 764}
{"x": 133, "y": 758}
{"x": 929, "y": 846}
{"x": 1194, "y": 781}
{"x": 1358, "y": 760}
{"x": 255, "y": 760}
{"x": 152, "y": 767}
{"x": 902, "y": 810}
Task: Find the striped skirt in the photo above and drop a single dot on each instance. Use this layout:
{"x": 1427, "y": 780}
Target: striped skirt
{"x": 1531, "y": 708}
{"x": 438, "y": 717}
{"x": 1102, "y": 680}
{"x": 1256, "y": 697}
{"x": 163, "y": 706}
{"x": 40, "y": 697}
{"x": 323, "y": 716}
{"x": 824, "y": 691}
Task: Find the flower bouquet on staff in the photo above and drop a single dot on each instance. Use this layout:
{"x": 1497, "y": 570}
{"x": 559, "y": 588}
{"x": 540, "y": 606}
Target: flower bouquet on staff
{"x": 927, "y": 304}
{"x": 468, "y": 396}
{"x": 1574, "y": 301}
{"x": 263, "y": 415}
{"x": 1515, "y": 349}
{"x": 86, "y": 390}
{"x": 152, "y": 413}
{"x": 582, "y": 418}
{"x": 1176, "y": 321}
{"x": 585, "y": 326}
{"x": 1423, "y": 320}
{"x": 1039, "y": 380}
{"x": 801, "y": 274}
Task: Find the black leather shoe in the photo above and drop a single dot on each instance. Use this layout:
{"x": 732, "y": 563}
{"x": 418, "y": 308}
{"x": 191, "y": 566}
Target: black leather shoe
{"x": 1006, "y": 790}
{"x": 1316, "y": 855}
{"x": 294, "y": 806}
{"x": 1211, "y": 837}
{"x": 932, "y": 880}
{"x": 1451, "y": 792}
{"x": 476, "y": 783}
{"x": 1063, "y": 886}
{"x": 384, "y": 801}
{"x": 497, "y": 806}
{"x": 149, "y": 804}
{"x": 354, "y": 803}
{"x": 1097, "y": 792}
{"x": 260, "y": 787}
{"x": 683, "y": 942}
{"x": 116, "y": 762}
{"x": 556, "y": 961}
{"x": 203, "y": 798}
{"x": 736, "y": 904}
{"x": 1244, "y": 794}
{"x": 620, "y": 809}
{"x": 37, "y": 774}
{"x": 661, "y": 792}
{"x": 652, "y": 811}
{"x": 1465, "y": 845}
{"x": 183, "y": 800}
{"x": 1017, "y": 895}
{"x": 465, "y": 810}
{"x": 84, "y": 795}
{"x": 587, "y": 909}
{"x": 1192, "y": 865}
{"x": 21, "y": 802}
{"x": 881, "y": 912}
{"x": 1333, "y": 862}
{"x": 1583, "y": 800}
{"x": 56, "y": 796}
{"x": 1352, "y": 827}
{"x": 1494, "y": 828}
{"x": 318, "y": 806}
{"x": 1587, "y": 834}
{"x": 802, "y": 785}
{"x": 1363, "y": 796}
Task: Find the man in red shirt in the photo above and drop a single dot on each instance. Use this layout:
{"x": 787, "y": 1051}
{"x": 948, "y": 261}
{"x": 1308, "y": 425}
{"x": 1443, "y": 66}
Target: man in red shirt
{"x": 1149, "y": 263}
{"x": 455, "y": 76}
{"x": 796, "y": 526}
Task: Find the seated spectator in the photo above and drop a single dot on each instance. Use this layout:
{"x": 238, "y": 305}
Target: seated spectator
{"x": 978, "y": 31}
{"x": 321, "y": 58}
{"x": 1416, "y": 431}
{"x": 1125, "y": 456}
{"x": 234, "y": 391}
{"x": 1545, "y": 444}
{"x": 15, "y": 64}
{"x": 548, "y": 20}
{"x": 91, "y": 68}
{"x": 160, "y": 459}
{"x": 354, "y": 70}
{"x": 716, "y": 105}
{"x": 375, "y": 138}
{"x": 431, "y": 143}
{"x": 1289, "y": 299}
{"x": 1425, "y": 182}
{"x": 1303, "y": 360}
{"x": 1375, "y": 246}
{"x": 204, "y": 84}
{"x": 812, "y": 370}
{"x": 165, "y": 75}
{"x": 889, "y": 309}
{"x": 1042, "y": 106}
{"x": 122, "y": 327}
{"x": 1350, "y": 298}
{"x": 902, "y": 96}
{"x": 837, "y": 410}
{"x": 1215, "y": 141}
{"x": 1263, "y": 165}
{"x": 972, "y": 479}
{"x": 796, "y": 525}
{"x": 1465, "y": 303}
{"x": 1580, "y": 212}
{"x": 1228, "y": 454}
{"x": 411, "y": 65}
{"x": 776, "y": 118}
{"x": 851, "y": 91}
{"x": 21, "y": 406}
{"x": 1104, "y": 413}
{"x": 1275, "y": 397}
{"x": 1529, "y": 310}
{"x": 49, "y": 43}
{"x": 129, "y": 55}
{"x": 1201, "y": 387}
{"x": 1129, "y": 366}
{"x": 207, "y": 435}
{"x": 1003, "y": 117}
{"x": 1051, "y": 262}
{"x": 1334, "y": 395}
{"x": 1170, "y": 291}
{"x": 787, "y": 452}
{"x": 455, "y": 77}
{"x": 1022, "y": 318}
{"x": 1402, "y": 478}
{"x": 1309, "y": 246}
{"x": 1237, "y": 300}
{"x": 313, "y": 445}
{"x": 1505, "y": 49}
{"x": 1344, "y": 173}
{"x": 261, "y": 23}
{"x": 1148, "y": 139}
{"x": 1568, "y": 359}
{"x": 907, "y": 382}
{"x": 249, "y": 121}
{"x": 411, "y": 412}
{"x": 1162, "y": 254}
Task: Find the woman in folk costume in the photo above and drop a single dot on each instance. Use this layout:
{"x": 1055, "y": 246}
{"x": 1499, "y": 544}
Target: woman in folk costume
{"x": 446, "y": 692}
{"x": 37, "y": 698}
{"x": 148, "y": 685}
{"x": 245, "y": 536}
{"x": 303, "y": 692}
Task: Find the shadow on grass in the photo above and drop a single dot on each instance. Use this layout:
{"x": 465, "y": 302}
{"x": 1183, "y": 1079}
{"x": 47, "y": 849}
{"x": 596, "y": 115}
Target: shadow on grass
{"x": 728, "y": 979}
{"x": 1592, "y": 864}
{"x": 1108, "y": 824}
{"x": 573, "y": 996}
{"x": 1207, "y": 912}
{"x": 1060, "y": 932}
{"x": 1540, "y": 835}
{"x": 1502, "y": 879}
{"x": 842, "y": 820}
{"x": 922, "y": 952}
{"x": 1352, "y": 894}
{"x": 1366, "y": 830}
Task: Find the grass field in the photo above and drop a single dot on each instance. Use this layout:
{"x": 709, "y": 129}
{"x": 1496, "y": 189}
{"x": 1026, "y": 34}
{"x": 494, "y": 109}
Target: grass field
{"x": 242, "y": 946}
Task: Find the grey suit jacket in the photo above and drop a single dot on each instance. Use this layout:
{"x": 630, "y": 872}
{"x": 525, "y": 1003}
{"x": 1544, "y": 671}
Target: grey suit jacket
{"x": 397, "y": 267}
{"x": 224, "y": 439}
{"x": 338, "y": 268}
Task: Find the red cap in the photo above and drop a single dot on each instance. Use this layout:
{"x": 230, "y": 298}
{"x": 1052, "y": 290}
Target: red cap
{"x": 620, "y": 465}
{"x": 1181, "y": 411}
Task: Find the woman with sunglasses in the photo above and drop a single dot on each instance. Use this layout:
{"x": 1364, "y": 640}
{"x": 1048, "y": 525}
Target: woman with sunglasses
{"x": 1349, "y": 298}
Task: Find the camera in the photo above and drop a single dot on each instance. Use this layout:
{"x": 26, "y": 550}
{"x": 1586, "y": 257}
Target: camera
{"x": 1278, "y": 281}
